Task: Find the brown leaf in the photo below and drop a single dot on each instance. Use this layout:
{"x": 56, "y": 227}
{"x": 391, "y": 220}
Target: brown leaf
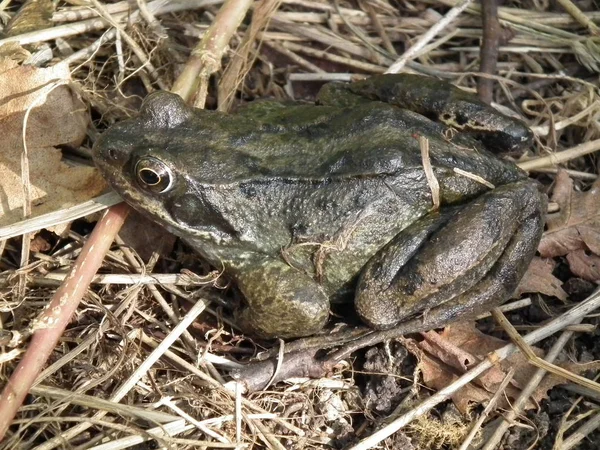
{"x": 440, "y": 370}
{"x": 437, "y": 375}
{"x": 584, "y": 265}
{"x": 539, "y": 279}
{"x": 577, "y": 225}
{"x": 57, "y": 117}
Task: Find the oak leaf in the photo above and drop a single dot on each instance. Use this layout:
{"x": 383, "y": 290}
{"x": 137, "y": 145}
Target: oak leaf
{"x": 539, "y": 279}
{"x": 577, "y": 225}
{"x": 443, "y": 358}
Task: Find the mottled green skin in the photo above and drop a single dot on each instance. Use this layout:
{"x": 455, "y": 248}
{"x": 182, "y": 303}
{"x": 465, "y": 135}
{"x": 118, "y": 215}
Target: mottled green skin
{"x": 302, "y": 204}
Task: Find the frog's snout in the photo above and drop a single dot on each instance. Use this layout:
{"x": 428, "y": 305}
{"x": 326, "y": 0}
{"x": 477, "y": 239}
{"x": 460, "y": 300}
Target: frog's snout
{"x": 518, "y": 136}
{"x": 110, "y": 151}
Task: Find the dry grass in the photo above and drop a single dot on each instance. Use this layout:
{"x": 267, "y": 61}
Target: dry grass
{"x": 547, "y": 72}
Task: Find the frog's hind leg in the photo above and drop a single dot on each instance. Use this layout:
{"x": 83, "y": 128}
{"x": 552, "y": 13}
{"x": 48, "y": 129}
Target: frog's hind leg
{"x": 281, "y": 301}
{"x": 445, "y": 103}
{"x": 473, "y": 262}
{"x": 499, "y": 284}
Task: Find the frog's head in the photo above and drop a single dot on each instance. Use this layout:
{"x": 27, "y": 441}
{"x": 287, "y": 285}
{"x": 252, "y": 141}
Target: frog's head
{"x": 153, "y": 162}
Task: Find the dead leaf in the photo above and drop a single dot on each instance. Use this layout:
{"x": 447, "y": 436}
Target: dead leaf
{"x": 577, "y": 225}
{"x": 439, "y": 370}
{"x": 584, "y": 265}
{"x": 539, "y": 279}
{"x": 57, "y": 118}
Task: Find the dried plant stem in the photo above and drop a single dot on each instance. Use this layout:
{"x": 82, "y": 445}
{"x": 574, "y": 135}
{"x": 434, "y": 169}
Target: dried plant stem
{"x": 174, "y": 279}
{"x": 450, "y": 16}
{"x": 206, "y": 57}
{"x": 97, "y": 23}
{"x": 508, "y": 15}
{"x": 572, "y": 316}
{"x": 488, "y": 408}
{"x": 78, "y": 14}
{"x": 88, "y": 341}
{"x": 87, "y": 52}
{"x": 580, "y": 17}
{"x": 584, "y": 430}
{"x": 90, "y": 401}
{"x": 59, "y": 217}
{"x": 509, "y": 417}
{"x": 544, "y": 130}
{"x": 128, "y": 384}
{"x": 52, "y": 322}
{"x": 242, "y": 60}
{"x": 284, "y": 50}
{"x": 137, "y": 50}
{"x": 385, "y": 40}
{"x": 323, "y": 54}
{"x": 198, "y": 424}
{"x": 557, "y": 158}
{"x": 222, "y": 389}
{"x": 432, "y": 182}
{"x": 536, "y": 360}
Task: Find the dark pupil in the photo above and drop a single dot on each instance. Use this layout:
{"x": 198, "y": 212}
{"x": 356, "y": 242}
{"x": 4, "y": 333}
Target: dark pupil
{"x": 149, "y": 177}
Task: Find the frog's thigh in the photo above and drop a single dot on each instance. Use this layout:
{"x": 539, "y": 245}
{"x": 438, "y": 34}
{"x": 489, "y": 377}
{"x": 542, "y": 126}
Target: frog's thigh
{"x": 280, "y": 300}
{"x": 499, "y": 284}
{"x": 475, "y": 246}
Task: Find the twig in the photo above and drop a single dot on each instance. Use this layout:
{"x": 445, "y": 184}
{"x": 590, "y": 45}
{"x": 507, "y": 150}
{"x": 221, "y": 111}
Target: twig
{"x": 135, "y": 48}
{"x": 90, "y": 50}
{"x": 90, "y": 401}
{"x": 175, "y": 279}
{"x": 572, "y": 173}
{"x": 73, "y": 29}
{"x": 385, "y": 40}
{"x": 323, "y": 54}
{"x": 489, "y": 49}
{"x": 432, "y": 182}
{"x": 59, "y": 217}
{"x": 241, "y": 61}
{"x": 198, "y": 424}
{"x": 286, "y": 51}
{"x": 583, "y": 431}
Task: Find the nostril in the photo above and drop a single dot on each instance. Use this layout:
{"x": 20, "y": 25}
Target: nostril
{"x": 112, "y": 153}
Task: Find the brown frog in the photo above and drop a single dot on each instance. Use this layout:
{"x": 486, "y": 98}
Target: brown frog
{"x": 304, "y": 204}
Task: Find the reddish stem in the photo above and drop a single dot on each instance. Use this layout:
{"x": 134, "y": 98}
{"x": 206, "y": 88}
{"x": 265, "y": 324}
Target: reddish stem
{"x": 49, "y": 327}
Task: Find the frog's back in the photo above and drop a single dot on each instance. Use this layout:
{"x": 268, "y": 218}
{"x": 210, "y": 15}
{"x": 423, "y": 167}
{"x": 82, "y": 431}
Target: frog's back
{"x": 313, "y": 143}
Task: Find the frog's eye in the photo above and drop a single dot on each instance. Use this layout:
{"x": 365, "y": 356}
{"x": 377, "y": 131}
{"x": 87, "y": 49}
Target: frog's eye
{"x": 154, "y": 175}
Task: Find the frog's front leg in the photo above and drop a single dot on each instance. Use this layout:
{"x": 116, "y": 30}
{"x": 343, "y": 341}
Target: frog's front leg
{"x": 468, "y": 265}
{"x": 281, "y": 301}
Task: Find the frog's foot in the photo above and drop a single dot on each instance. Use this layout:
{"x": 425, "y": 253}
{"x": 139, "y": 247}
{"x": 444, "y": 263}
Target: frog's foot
{"x": 281, "y": 301}
{"x": 459, "y": 268}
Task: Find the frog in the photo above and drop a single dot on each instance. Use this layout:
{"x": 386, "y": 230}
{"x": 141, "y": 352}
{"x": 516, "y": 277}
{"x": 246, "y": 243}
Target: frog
{"x": 305, "y": 204}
